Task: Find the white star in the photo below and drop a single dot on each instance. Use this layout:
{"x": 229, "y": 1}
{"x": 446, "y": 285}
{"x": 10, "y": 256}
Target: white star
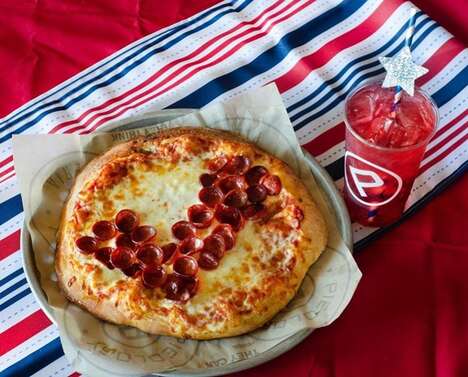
{"x": 402, "y": 71}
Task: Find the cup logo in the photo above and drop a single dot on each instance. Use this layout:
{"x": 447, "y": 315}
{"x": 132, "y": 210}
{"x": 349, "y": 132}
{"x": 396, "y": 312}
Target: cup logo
{"x": 368, "y": 183}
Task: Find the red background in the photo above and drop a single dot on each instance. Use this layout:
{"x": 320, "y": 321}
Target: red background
{"x": 409, "y": 316}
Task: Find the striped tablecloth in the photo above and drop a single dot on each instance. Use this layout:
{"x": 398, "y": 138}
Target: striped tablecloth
{"x": 316, "y": 51}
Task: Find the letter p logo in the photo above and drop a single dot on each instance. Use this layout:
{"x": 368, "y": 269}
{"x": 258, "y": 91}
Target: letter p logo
{"x": 368, "y": 183}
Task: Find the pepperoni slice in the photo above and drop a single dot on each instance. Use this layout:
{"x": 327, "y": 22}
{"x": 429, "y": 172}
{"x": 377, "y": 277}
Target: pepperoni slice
{"x": 257, "y": 193}
{"x": 153, "y": 276}
{"x": 126, "y": 220}
{"x": 215, "y": 245}
{"x": 86, "y": 244}
{"x": 103, "y": 255}
{"x": 255, "y": 211}
{"x": 255, "y": 174}
{"x": 190, "y": 245}
{"x": 191, "y": 283}
{"x": 225, "y": 230}
{"x": 143, "y": 233}
{"x": 150, "y": 254}
{"x": 272, "y": 184}
{"x": 168, "y": 251}
{"x": 210, "y": 196}
{"x": 208, "y": 261}
{"x": 200, "y": 215}
{"x": 207, "y": 179}
{"x": 125, "y": 240}
{"x": 217, "y": 163}
{"x": 122, "y": 257}
{"x": 183, "y": 229}
{"x": 186, "y": 266}
{"x": 237, "y": 165}
{"x": 132, "y": 271}
{"x": 104, "y": 230}
{"x": 231, "y": 182}
{"x": 176, "y": 289}
{"x": 236, "y": 198}
{"x": 229, "y": 215}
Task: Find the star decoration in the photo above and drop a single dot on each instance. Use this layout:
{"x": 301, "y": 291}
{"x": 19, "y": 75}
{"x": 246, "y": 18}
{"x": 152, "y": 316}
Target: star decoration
{"x": 402, "y": 71}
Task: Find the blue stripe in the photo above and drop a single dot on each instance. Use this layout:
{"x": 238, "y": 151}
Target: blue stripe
{"x": 336, "y": 78}
{"x": 10, "y": 208}
{"x": 14, "y": 274}
{"x": 361, "y": 78}
{"x": 35, "y": 361}
{"x": 12, "y": 300}
{"x": 158, "y": 37}
{"x": 13, "y": 287}
{"x": 271, "y": 57}
{"x": 455, "y": 86}
{"x": 114, "y": 78}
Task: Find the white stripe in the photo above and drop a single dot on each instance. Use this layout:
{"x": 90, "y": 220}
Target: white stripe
{"x": 10, "y": 263}
{"x": 11, "y": 225}
{"x": 332, "y": 154}
{"x": 463, "y": 131}
{"x": 31, "y": 345}
{"x": 360, "y": 232}
{"x": 18, "y": 311}
{"x": 58, "y": 368}
{"x": 8, "y": 190}
{"x": 200, "y": 58}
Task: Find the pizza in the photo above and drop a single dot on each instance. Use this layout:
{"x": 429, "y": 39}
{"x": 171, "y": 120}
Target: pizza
{"x": 189, "y": 232}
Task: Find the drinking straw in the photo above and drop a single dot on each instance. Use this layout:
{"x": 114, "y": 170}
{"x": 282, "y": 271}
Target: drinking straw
{"x": 408, "y": 41}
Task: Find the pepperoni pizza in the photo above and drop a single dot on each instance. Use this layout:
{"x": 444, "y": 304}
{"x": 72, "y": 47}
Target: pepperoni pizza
{"x": 191, "y": 233}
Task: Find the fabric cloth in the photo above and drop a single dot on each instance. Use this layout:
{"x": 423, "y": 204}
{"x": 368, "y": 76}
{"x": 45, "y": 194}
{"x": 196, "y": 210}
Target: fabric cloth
{"x": 315, "y": 51}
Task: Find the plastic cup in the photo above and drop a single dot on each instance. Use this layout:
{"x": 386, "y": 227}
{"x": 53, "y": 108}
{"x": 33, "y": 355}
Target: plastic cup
{"x": 384, "y": 150}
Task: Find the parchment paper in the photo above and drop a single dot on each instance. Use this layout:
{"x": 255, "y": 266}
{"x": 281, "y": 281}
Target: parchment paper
{"x": 46, "y": 165}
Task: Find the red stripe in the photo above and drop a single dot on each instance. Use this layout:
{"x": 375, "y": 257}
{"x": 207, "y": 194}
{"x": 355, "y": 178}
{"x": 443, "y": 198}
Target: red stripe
{"x": 6, "y": 171}
{"x": 132, "y": 104}
{"x": 322, "y": 142}
{"x": 6, "y": 161}
{"x": 75, "y": 374}
{"x": 7, "y": 177}
{"x": 319, "y": 58}
{"x": 9, "y": 244}
{"x": 443, "y": 154}
{"x": 174, "y": 63}
{"x": 437, "y": 61}
{"x": 444, "y": 141}
{"x": 454, "y": 121}
{"x": 22, "y": 331}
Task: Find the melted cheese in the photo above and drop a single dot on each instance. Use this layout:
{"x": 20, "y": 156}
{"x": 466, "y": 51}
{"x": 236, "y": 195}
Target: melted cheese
{"x": 160, "y": 192}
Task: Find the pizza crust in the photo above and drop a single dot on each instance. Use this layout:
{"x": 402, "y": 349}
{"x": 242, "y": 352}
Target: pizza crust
{"x": 214, "y": 312}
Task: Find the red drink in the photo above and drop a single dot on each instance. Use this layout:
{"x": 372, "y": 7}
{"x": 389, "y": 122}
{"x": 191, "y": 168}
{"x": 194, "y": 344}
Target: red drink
{"x": 384, "y": 150}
